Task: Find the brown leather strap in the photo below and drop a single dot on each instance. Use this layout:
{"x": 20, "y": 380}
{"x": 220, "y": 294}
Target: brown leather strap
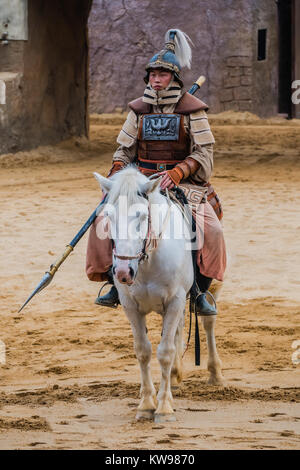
{"x": 189, "y": 166}
{"x": 184, "y": 167}
{"x": 193, "y": 164}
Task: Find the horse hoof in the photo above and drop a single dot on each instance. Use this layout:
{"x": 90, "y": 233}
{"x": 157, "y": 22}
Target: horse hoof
{"x": 215, "y": 381}
{"x": 164, "y": 418}
{"x": 143, "y": 415}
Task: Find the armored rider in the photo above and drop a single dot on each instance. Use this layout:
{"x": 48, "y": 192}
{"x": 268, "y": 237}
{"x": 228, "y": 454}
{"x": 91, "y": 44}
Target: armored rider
{"x": 186, "y": 157}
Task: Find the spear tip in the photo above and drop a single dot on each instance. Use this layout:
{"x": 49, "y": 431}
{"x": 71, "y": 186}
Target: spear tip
{"x": 44, "y": 283}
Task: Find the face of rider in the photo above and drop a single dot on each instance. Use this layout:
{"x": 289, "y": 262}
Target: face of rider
{"x": 159, "y": 79}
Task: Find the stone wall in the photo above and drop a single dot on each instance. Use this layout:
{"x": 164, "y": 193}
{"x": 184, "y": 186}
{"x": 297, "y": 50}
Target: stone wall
{"x": 237, "y": 84}
{"x": 45, "y": 79}
{"x": 124, "y": 34}
{"x": 265, "y": 72}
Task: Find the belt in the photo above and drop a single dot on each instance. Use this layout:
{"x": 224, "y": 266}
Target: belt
{"x": 156, "y": 166}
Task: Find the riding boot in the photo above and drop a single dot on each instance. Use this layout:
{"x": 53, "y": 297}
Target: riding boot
{"x": 111, "y": 299}
{"x": 203, "y": 307}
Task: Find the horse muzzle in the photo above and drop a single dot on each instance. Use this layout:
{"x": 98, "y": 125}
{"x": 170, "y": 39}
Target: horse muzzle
{"x": 124, "y": 273}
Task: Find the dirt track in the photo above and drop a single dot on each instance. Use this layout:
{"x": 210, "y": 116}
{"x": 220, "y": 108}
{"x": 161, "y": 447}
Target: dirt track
{"x": 71, "y": 379}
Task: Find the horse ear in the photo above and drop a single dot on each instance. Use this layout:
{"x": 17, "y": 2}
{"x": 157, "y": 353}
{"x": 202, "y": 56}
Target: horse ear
{"x": 151, "y": 186}
{"x": 105, "y": 183}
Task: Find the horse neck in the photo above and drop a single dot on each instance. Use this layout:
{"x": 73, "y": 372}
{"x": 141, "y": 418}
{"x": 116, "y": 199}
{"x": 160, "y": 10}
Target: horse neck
{"x": 162, "y": 211}
{"x": 157, "y": 200}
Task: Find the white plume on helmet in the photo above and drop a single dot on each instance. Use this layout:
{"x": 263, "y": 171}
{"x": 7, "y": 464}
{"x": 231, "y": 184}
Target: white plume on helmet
{"x": 183, "y": 50}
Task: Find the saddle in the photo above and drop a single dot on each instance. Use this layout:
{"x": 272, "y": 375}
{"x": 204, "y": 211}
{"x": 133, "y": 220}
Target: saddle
{"x": 196, "y": 194}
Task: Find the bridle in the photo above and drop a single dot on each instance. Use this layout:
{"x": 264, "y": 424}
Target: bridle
{"x": 142, "y": 255}
{"x": 149, "y": 240}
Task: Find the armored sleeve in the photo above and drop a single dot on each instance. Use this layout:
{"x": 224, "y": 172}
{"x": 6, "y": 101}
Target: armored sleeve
{"x": 127, "y": 138}
{"x": 202, "y": 141}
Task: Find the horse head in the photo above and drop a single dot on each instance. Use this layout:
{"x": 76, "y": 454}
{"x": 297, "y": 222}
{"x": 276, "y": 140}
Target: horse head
{"x": 127, "y": 211}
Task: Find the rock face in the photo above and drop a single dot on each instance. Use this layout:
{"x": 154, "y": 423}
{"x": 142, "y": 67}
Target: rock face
{"x": 43, "y": 81}
{"x": 125, "y": 34}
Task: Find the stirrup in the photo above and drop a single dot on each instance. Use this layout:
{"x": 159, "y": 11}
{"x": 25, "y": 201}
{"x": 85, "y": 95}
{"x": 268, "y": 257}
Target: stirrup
{"x": 115, "y": 305}
{"x": 214, "y": 302}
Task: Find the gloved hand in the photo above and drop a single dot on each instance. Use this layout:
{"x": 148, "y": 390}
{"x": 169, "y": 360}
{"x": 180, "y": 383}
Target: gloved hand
{"x": 171, "y": 178}
{"x": 181, "y": 171}
{"x": 117, "y": 166}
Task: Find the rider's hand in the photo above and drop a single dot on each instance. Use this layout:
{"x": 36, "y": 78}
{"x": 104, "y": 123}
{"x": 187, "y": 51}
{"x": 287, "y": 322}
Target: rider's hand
{"x": 171, "y": 178}
{"x": 166, "y": 181}
{"x": 116, "y": 166}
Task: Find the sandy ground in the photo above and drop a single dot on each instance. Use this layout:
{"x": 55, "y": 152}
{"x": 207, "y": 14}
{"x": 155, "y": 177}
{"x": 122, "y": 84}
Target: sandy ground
{"x": 71, "y": 379}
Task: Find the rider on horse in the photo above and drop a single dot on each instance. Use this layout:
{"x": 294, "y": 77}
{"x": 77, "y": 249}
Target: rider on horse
{"x": 167, "y": 132}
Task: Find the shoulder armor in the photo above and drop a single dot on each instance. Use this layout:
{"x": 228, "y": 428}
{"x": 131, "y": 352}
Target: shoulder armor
{"x": 139, "y": 107}
{"x": 189, "y": 104}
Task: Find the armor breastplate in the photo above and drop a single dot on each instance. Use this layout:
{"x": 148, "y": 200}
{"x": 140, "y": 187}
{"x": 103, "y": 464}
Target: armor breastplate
{"x": 161, "y": 127}
{"x": 162, "y": 140}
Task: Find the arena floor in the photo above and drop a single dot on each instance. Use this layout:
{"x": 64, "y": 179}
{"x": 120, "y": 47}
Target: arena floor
{"x": 71, "y": 380}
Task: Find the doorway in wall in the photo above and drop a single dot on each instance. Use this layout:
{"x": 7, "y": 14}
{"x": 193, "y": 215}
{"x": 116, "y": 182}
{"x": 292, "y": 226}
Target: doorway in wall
{"x": 285, "y": 57}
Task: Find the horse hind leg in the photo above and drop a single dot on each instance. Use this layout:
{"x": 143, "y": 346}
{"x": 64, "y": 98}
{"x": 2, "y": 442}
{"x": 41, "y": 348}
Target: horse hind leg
{"x": 176, "y": 371}
{"x": 215, "y": 288}
{"x": 214, "y": 363}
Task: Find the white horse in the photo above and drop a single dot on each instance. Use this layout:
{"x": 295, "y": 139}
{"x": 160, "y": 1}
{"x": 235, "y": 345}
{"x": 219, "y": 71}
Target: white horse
{"x": 153, "y": 276}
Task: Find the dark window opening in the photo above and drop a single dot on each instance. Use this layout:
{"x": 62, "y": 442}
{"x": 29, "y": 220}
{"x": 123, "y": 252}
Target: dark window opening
{"x": 262, "y": 44}
{"x": 285, "y": 57}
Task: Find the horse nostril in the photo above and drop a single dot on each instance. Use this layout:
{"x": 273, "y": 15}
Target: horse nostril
{"x": 114, "y": 270}
{"x": 131, "y": 272}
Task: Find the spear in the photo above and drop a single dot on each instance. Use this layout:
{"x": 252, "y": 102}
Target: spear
{"x": 48, "y": 276}
{"x": 198, "y": 83}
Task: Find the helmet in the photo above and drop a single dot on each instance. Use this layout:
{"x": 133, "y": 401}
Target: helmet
{"x": 175, "y": 55}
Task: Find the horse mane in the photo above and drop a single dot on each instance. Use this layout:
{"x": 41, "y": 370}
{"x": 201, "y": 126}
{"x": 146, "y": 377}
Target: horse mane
{"x": 127, "y": 182}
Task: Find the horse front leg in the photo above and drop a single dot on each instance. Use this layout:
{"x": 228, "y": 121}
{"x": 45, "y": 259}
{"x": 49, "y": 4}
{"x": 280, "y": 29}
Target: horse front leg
{"x": 166, "y": 354}
{"x": 143, "y": 350}
{"x": 214, "y": 363}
